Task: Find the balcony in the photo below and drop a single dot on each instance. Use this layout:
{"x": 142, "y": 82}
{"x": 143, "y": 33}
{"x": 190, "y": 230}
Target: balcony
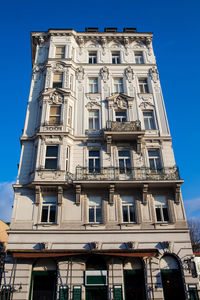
{"x": 121, "y": 131}
{"x": 128, "y": 174}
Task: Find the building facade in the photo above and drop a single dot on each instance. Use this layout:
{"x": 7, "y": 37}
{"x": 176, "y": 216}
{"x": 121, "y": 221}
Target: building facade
{"x": 98, "y": 211}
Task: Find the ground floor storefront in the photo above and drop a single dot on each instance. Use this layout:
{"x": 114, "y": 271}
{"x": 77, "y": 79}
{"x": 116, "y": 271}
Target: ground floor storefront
{"x": 97, "y": 275}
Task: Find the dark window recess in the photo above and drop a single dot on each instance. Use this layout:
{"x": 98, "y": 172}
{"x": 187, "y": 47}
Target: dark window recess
{"x": 51, "y": 157}
{"x": 165, "y": 214}
{"x": 57, "y": 84}
{"x": 110, "y": 29}
{"x": 91, "y": 29}
{"x": 44, "y": 285}
{"x": 158, "y": 214}
{"x": 129, "y": 29}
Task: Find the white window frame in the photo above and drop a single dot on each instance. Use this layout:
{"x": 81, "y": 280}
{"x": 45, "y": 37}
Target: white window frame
{"x": 116, "y": 57}
{"x": 149, "y": 119}
{"x": 93, "y": 56}
{"x": 94, "y": 169}
{"x": 94, "y": 206}
{"x": 161, "y": 205}
{"x": 125, "y": 169}
{"x": 60, "y": 81}
{"x": 139, "y": 57}
{"x": 93, "y": 85}
{"x": 54, "y": 115}
{"x": 143, "y": 86}
{"x": 62, "y": 53}
{"x": 51, "y": 203}
{"x": 121, "y": 118}
{"x": 69, "y": 117}
{"x": 52, "y": 157}
{"x": 93, "y": 119}
{"x": 67, "y": 161}
{"x": 128, "y": 203}
{"x": 118, "y": 84}
{"x": 156, "y": 159}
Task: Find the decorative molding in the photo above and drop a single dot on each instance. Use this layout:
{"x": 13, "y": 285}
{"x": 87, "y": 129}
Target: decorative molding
{"x": 177, "y": 193}
{"x": 153, "y": 72}
{"x": 104, "y": 73}
{"x": 145, "y": 96}
{"x": 60, "y": 195}
{"x": 80, "y": 73}
{"x": 120, "y": 101}
{"x": 145, "y": 193}
{"x": 129, "y": 74}
{"x": 78, "y": 194}
{"x": 92, "y": 105}
{"x": 37, "y": 195}
{"x": 111, "y": 194}
{"x": 146, "y": 105}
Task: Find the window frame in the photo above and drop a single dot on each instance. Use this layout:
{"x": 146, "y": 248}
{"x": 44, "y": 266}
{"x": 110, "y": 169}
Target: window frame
{"x": 69, "y": 116}
{"x": 143, "y": 86}
{"x": 163, "y": 205}
{"x": 54, "y": 115}
{"x": 149, "y": 119}
{"x": 118, "y": 85}
{"x": 92, "y": 57}
{"x": 125, "y": 169}
{"x": 93, "y": 86}
{"x": 57, "y": 84}
{"x": 140, "y": 55}
{"x": 62, "y": 54}
{"x": 67, "y": 160}
{"x": 96, "y": 165}
{"x": 128, "y": 204}
{"x": 115, "y": 57}
{"x": 51, "y": 157}
{"x": 155, "y": 168}
{"x": 93, "y": 119}
{"x": 121, "y": 118}
{"x": 94, "y": 207}
{"x": 49, "y": 205}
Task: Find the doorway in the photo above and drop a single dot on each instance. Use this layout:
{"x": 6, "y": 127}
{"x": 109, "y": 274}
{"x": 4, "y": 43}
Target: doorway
{"x": 43, "y": 285}
{"x": 96, "y": 293}
{"x": 134, "y": 285}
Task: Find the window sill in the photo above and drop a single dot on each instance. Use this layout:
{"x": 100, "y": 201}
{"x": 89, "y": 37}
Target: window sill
{"x": 94, "y": 224}
{"x": 128, "y": 224}
{"x": 47, "y": 224}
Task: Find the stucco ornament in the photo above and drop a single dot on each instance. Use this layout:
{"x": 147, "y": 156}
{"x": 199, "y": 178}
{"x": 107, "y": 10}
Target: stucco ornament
{"x": 80, "y": 42}
{"x": 59, "y": 67}
{"x": 126, "y": 44}
{"x": 104, "y": 73}
{"x": 80, "y": 73}
{"x": 48, "y": 77}
{"x": 56, "y": 98}
{"x": 129, "y": 73}
{"x": 103, "y": 44}
{"x": 154, "y": 74}
{"x": 120, "y": 103}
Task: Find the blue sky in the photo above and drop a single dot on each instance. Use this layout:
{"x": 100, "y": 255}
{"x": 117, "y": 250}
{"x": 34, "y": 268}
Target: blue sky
{"x": 176, "y": 28}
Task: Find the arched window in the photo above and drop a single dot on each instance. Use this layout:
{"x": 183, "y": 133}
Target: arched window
{"x": 172, "y": 281}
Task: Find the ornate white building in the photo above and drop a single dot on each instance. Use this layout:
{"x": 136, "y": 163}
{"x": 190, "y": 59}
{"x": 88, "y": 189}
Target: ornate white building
{"x": 98, "y": 212}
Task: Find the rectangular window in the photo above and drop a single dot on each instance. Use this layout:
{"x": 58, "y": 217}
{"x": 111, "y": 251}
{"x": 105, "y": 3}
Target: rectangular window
{"x": 154, "y": 159}
{"x": 51, "y": 160}
{"x": 124, "y": 161}
{"x": 60, "y": 51}
{"x": 118, "y": 85}
{"x": 116, "y": 57}
{"x": 54, "y": 115}
{"x": 93, "y": 85}
{"x": 95, "y": 214}
{"x": 128, "y": 210}
{"x": 67, "y": 158}
{"x": 143, "y": 85}
{"x": 57, "y": 80}
{"x": 92, "y": 58}
{"x": 161, "y": 209}
{"x": 69, "y": 121}
{"x": 149, "y": 123}
{"x": 94, "y": 120}
{"x": 139, "y": 57}
{"x": 120, "y": 116}
{"x": 49, "y": 204}
{"x": 94, "y": 161}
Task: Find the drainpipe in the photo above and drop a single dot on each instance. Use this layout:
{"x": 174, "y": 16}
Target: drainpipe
{"x": 150, "y": 266}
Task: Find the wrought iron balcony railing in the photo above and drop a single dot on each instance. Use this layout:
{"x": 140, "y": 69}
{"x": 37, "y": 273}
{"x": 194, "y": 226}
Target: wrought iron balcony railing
{"x": 136, "y": 174}
{"x": 123, "y": 126}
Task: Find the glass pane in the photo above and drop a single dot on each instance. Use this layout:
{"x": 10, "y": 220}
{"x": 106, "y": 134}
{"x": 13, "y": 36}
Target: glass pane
{"x": 52, "y": 151}
{"x": 55, "y": 110}
{"x": 146, "y": 124}
{"x": 91, "y": 214}
{"x": 128, "y": 163}
{"x": 97, "y": 165}
{"x": 132, "y": 213}
{"x": 153, "y": 153}
{"x": 96, "y": 123}
{"x": 54, "y": 120}
{"x": 152, "y": 125}
{"x": 52, "y": 217}
{"x": 57, "y": 84}
{"x": 151, "y": 163}
{"x": 90, "y": 123}
{"x": 158, "y": 165}
{"x": 98, "y": 214}
{"x": 120, "y": 113}
{"x": 121, "y": 166}
{"x": 125, "y": 213}
{"x": 44, "y": 217}
{"x": 57, "y": 77}
{"x": 165, "y": 214}
{"x": 51, "y": 163}
{"x": 123, "y": 153}
{"x": 158, "y": 214}
{"x": 91, "y": 165}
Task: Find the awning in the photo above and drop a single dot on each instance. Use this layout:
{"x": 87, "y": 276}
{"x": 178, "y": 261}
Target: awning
{"x": 110, "y": 252}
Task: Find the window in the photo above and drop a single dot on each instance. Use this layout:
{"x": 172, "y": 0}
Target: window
{"x": 143, "y": 85}
{"x": 69, "y": 121}
{"x": 149, "y": 123}
{"x": 48, "y": 214}
{"x": 139, "y": 57}
{"x": 154, "y": 159}
{"x": 51, "y": 157}
{"x": 94, "y": 161}
{"x": 161, "y": 209}
{"x": 54, "y": 115}
{"x": 94, "y": 120}
{"x": 60, "y": 51}
{"x": 118, "y": 85}
{"x": 57, "y": 80}
{"x": 67, "y": 158}
{"x": 93, "y": 85}
{"x": 92, "y": 58}
{"x": 95, "y": 215}
{"x": 124, "y": 161}
{"x": 116, "y": 57}
{"x": 71, "y": 82}
{"x": 128, "y": 210}
{"x": 120, "y": 116}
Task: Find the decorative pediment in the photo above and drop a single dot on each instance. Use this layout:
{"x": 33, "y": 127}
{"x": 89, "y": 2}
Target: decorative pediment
{"x": 120, "y": 100}
{"x": 59, "y": 66}
{"x": 93, "y": 105}
{"x": 55, "y": 95}
{"x": 146, "y": 105}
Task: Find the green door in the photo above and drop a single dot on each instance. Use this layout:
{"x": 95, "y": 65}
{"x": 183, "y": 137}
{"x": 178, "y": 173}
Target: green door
{"x": 172, "y": 285}
{"x": 96, "y": 293}
{"x": 134, "y": 285}
{"x": 43, "y": 286}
